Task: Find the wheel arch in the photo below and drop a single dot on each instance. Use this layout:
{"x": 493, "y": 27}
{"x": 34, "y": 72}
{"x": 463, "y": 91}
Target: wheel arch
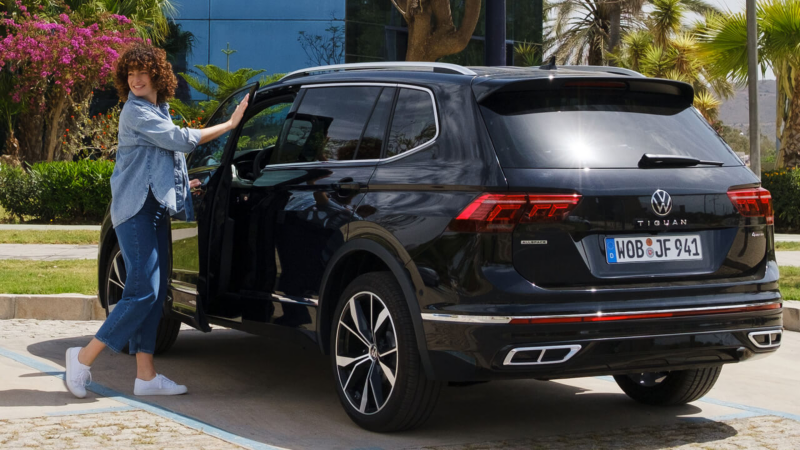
{"x": 363, "y": 255}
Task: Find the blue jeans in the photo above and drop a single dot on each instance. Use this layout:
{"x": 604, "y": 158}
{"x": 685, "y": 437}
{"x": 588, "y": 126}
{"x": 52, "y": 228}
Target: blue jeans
{"x": 144, "y": 241}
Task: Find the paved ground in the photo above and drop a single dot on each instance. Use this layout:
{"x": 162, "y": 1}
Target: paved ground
{"x": 47, "y": 252}
{"x": 261, "y": 393}
{"x": 788, "y": 258}
{"x": 49, "y": 227}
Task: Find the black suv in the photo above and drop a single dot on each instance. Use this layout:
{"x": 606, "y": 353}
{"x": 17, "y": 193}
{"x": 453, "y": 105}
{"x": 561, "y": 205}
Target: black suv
{"x": 425, "y": 223}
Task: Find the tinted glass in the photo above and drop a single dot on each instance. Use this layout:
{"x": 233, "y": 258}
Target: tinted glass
{"x": 327, "y": 125}
{"x": 414, "y": 122}
{"x": 372, "y": 141}
{"x": 262, "y": 130}
{"x": 210, "y": 153}
{"x": 596, "y": 129}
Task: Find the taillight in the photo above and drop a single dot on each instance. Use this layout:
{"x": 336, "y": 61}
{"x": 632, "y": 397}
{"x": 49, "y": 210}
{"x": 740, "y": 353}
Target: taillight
{"x": 500, "y": 213}
{"x": 755, "y": 202}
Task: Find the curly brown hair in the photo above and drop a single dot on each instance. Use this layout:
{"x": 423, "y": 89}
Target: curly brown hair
{"x": 154, "y": 61}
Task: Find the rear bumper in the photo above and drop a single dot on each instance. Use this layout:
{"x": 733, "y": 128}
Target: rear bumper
{"x": 476, "y": 350}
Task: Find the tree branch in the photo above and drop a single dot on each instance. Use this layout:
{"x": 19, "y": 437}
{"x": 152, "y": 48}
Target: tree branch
{"x": 472, "y": 12}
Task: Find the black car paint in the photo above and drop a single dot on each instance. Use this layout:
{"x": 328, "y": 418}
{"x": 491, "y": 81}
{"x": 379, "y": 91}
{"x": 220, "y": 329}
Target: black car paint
{"x": 396, "y": 214}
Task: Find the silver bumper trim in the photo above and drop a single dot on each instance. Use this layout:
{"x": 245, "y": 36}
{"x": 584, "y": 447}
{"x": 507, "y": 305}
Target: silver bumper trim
{"x": 461, "y": 318}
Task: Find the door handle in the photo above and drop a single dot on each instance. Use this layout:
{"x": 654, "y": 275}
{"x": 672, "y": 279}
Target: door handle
{"x": 348, "y": 184}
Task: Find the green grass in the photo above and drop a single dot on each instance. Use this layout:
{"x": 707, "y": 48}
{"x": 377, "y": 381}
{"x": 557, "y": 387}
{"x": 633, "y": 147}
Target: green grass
{"x": 77, "y": 276}
{"x": 77, "y": 237}
{"x": 787, "y": 246}
{"x": 790, "y": 282}
{"x": 185, "y": 255}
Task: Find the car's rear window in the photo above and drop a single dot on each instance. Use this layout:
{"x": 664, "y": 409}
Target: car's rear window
{"x": 596, "y": 128}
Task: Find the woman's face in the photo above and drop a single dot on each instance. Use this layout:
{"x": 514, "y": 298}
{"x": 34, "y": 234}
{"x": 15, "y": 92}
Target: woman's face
{"x": 140, "y": 83}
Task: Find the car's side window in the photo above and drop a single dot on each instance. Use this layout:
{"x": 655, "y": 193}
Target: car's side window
{"x": 372, "y": 142}
{"x": 327, "y": 126}
{"x": 262, "y": 130}
{"x": 210, "y": 153}
{"x": 413, "y": 123}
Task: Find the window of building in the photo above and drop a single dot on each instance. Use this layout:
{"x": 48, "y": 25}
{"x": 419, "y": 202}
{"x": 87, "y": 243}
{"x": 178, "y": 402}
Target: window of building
{"x": 414, "y": 122}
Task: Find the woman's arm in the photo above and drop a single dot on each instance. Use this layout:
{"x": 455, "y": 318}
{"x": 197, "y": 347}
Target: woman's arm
{"x": 211, "y": 133}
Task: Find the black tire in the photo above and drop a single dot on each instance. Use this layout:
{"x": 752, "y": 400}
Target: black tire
{"x": 413, "y": 396}
{"x": 669, "y": 388}
{"x": 112, "y": 285}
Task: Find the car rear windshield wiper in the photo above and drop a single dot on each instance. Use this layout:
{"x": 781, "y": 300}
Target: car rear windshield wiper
{"x": 649, "y": 160}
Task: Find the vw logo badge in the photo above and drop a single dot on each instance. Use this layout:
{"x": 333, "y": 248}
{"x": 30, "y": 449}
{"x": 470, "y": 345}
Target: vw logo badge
{"x": 661, "y": 202}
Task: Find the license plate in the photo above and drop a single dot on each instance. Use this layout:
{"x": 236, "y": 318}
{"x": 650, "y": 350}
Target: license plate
{"x": 653, "y": 249}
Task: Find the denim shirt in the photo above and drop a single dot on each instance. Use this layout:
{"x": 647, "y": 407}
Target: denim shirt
{"x": 150, "y": 156}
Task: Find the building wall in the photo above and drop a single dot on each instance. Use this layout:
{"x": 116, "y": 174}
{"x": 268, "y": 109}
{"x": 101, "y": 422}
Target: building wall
{"x": 265, "y": 32}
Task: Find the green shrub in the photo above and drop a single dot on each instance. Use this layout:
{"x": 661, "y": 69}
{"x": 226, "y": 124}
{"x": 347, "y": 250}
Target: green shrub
{"x": 18, "y": 192}
{"x": 784, "y": 185}
{"x": 63, "y": 191}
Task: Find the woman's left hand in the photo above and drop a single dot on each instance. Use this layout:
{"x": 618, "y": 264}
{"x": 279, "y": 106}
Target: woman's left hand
{"x": 237, "y": 115}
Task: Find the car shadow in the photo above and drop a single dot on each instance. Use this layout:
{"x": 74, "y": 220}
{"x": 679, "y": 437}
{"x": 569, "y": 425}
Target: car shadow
{"x": 283, "y": 394}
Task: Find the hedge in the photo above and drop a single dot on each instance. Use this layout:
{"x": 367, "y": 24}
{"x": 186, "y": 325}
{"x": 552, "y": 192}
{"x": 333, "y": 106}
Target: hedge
{"x": 784, "y": 185}
{"x": 63, "y": 191}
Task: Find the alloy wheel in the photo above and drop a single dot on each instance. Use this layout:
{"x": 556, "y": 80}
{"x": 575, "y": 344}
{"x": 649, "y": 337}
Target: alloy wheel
{"x": 366, "y": 353}
{"x": 648, "y": 379}
{"x": 116, "y": 280}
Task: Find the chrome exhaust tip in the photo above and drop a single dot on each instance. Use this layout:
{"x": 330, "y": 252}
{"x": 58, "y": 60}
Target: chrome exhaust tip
{"x": 530, "y": 356}
{"x": 766, "y": 339}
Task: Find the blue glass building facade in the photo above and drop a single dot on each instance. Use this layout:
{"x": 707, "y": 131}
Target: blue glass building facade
{"x": 285, "y": 35}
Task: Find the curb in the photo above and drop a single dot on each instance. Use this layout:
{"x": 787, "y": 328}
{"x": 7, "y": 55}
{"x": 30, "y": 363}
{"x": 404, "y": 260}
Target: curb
{"x": 51, "y": 307}
{"x": 791, "y": 315}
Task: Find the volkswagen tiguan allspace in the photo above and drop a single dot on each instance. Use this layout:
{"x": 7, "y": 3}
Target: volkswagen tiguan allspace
{"x": 425, "y": 223}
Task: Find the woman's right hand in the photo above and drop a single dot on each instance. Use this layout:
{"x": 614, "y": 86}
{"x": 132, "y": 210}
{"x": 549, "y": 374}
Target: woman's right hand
{"x": 237, "y": 115}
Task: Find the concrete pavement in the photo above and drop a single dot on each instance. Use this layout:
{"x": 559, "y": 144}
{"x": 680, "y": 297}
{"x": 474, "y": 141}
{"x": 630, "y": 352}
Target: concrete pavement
{"x": 274, "y": 393}
{"x": 47, "y": 252}
{"x": 49, "y": 227}
{"x": 788, "y": 258}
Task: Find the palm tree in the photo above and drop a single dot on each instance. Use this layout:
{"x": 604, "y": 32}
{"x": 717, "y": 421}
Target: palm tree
{"x": 667, "y": 49}
{"x": 725, "y": 41}
{"x": 708, "y": 105}
{"x": 588, "y": 31}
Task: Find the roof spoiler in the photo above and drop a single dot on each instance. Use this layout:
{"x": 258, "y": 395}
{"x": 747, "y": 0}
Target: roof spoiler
{"x": 489, "y": 87}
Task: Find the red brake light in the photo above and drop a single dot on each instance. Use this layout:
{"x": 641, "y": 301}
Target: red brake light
{"x": 498, "y": 213}
{"x": 596, "y": 84}
{"x": 756, "y": 202}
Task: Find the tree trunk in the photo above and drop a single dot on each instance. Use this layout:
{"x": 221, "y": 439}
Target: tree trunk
{"x": 790, "y": 141}
{"x": 31, "y": 130}
{"x": 55, "y": 128}
{"x": 431, "y": 31}
{"x": 419, "y": 37}
{"x": 596, "y": 53}
{"x": 614, "y": 18}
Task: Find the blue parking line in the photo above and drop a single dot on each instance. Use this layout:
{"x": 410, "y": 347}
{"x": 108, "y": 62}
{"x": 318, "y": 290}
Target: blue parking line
{"x": 139, "y": 404}
{"x": 752, "y": 410}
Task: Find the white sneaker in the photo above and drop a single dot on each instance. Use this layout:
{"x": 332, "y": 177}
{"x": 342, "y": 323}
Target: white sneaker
{"x": 160, "y": 385}
{"x": 77, "y": 376}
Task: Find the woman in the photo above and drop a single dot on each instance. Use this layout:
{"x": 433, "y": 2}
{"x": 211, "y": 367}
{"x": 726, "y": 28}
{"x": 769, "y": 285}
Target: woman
{"x": 149, "y": 183}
